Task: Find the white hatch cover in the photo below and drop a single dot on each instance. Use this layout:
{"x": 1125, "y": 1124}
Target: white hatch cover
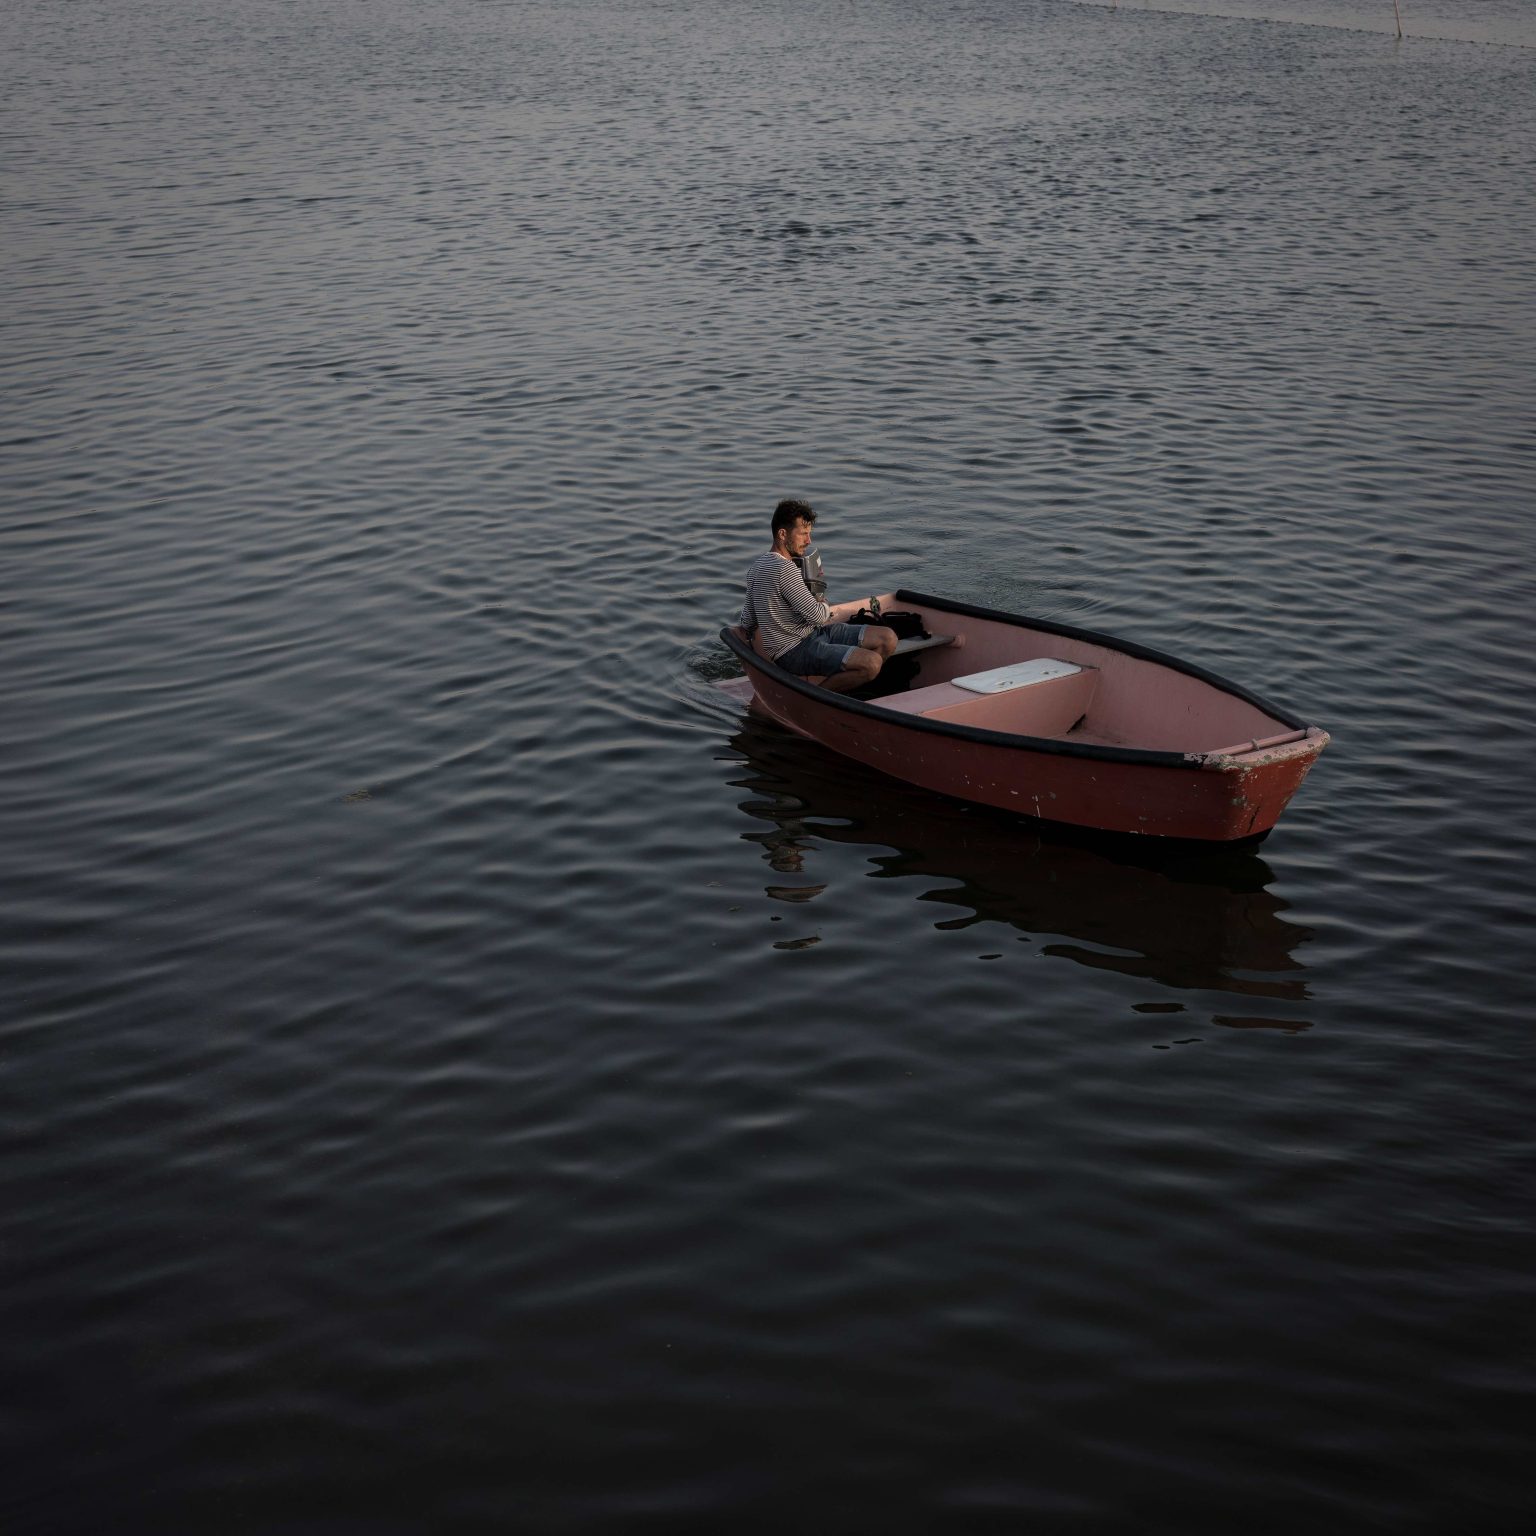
{"x": 1017, "y": 674}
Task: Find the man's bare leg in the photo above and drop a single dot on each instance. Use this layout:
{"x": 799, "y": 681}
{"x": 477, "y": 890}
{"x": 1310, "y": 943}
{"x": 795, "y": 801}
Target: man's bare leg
{"x": 854, "y": 676}
{"x": 864, "y": 665}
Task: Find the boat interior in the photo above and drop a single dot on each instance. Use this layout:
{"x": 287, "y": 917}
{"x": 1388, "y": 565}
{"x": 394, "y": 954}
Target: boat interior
{"x": 1005, "y": 677}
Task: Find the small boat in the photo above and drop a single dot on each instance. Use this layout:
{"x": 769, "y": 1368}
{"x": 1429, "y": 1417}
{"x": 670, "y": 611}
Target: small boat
{"x": 1054, "y": 722}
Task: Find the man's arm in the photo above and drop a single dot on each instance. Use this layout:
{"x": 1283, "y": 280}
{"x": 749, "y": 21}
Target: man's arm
{"x": 842, "y": 612}
{"x": 796, "y": 596}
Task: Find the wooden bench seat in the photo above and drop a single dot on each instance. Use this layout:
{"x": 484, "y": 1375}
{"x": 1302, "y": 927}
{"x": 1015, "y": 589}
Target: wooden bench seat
{"x": 921, "y": 643}
{"x": 1048, "y": 705}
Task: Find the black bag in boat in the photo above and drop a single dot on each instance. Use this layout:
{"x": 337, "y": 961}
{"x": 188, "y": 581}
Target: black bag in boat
{"x": 908, "y": 626}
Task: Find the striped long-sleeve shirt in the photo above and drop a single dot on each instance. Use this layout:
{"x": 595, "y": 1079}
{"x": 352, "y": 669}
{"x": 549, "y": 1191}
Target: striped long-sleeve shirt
{"x": 779, "y": 604}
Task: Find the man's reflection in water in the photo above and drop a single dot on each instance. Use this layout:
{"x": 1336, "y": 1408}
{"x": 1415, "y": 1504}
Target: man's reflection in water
{"x": 1190, "y": 919}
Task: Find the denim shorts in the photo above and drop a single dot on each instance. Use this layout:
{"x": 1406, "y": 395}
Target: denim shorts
{"x": 823, "y": 652}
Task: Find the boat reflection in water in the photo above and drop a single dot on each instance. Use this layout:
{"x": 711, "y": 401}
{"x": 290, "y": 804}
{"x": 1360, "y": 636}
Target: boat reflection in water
{"x": 1188, "y": 919}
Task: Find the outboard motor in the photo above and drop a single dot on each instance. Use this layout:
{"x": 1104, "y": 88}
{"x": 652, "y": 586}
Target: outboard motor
{"x": 815, "y": 576}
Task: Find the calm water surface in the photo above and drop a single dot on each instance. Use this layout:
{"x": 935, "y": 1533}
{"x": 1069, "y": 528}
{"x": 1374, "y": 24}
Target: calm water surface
{"x": 460, "y": 1072}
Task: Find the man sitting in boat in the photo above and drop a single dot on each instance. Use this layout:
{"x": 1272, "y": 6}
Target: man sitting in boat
{"x": 789, "y": 625}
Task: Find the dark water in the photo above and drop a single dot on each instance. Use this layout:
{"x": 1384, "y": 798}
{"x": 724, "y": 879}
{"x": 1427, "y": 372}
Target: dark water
{"x": 1509, "y": 23}
{"x": 459, "y": 1072}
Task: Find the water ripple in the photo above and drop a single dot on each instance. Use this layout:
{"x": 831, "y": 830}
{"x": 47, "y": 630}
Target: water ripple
{"x": 458, "y": 1063}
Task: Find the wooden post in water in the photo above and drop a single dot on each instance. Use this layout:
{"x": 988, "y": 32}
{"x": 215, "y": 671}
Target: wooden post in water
{"x": 1397, "y": 13}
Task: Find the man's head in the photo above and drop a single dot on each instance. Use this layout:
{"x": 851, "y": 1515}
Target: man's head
{"x": 792, "y": 521}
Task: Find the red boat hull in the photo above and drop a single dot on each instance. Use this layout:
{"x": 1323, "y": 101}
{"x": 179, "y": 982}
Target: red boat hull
{"x": 1203, "y": 804}
{"x": 1228, "y": 795}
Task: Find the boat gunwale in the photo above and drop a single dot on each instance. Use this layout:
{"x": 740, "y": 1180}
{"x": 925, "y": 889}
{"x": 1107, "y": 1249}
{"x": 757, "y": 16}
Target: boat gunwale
{"x": 1145, "y": 756}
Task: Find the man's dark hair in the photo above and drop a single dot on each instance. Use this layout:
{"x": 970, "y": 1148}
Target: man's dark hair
{"x": 790, "y": 511}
